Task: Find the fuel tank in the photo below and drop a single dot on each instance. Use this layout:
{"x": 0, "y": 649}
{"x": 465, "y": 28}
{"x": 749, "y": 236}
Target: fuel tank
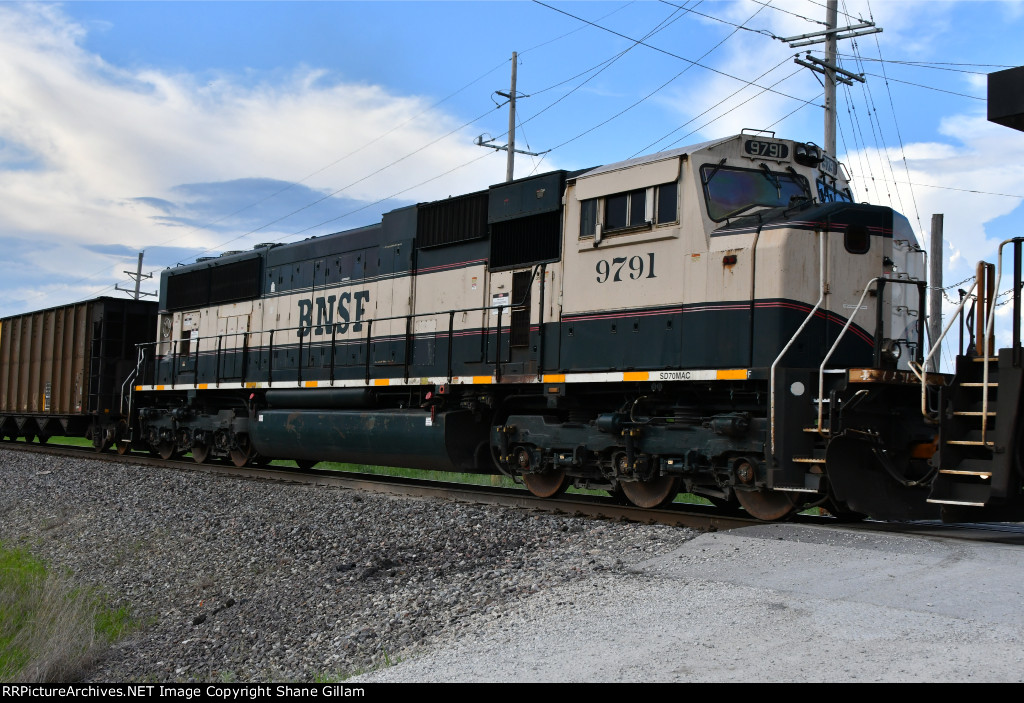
{"x": 453, "y": 440}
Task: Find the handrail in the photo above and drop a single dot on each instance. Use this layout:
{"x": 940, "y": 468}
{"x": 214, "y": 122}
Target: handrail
{"x": 369, "y": 322}
{"x": 988, "y": 332}
{"x": 771, "y": 373}
{"x": 936, "y": 345}
{"x": 835, "y": 345}
{"x": 139, "y": 360}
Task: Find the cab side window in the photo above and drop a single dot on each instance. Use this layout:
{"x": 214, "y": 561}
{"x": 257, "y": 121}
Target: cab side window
{"x": 633, "y": 210}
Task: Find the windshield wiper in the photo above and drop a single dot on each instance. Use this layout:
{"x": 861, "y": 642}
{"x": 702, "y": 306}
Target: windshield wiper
{"x": 772, "y": 178}
{"x": 711, "y": 175}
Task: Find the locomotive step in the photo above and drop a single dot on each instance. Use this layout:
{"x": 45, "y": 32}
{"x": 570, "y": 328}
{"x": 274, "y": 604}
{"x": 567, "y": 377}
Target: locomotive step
{"x": 974, "y": 413}
{"x": 814, "y": 428}
{"x": 979, "y": 384}
{"x": 807, "y": 460}
{"x": 942, "y": 501}
{"x": 967, "y": 472}
{"x": 960, "y": 490}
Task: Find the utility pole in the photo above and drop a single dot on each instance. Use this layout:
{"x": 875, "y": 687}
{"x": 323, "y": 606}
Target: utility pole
{"x": 831, "y": 21}
{"x": 827, "y": 67}
{"x": 137, "y": 276}
{"x": 511, "y": 162}
{"x": 511, "y": 146}
{"x": 936, "y": 255}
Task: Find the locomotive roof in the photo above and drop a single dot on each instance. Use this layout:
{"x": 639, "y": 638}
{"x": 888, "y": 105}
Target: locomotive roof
{"x": 659, "y": 156}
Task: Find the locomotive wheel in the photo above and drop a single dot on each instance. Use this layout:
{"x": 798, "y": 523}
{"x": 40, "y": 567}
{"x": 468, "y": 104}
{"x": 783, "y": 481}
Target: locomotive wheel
{"x": 653, "y": 493}
{"x": 123, "y": 447}
{"x": 200, "y": 453}
{"x": 241, "y": 454}
{"x": 547, "y": 484}
{"x": 767, "y": 505}
{"x": 165, "y": 450}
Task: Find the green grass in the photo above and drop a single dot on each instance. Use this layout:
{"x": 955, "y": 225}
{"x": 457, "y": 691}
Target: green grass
{"x": 50, "y": 628}
{"x": 417, "y": 474}
{"x": 469, "y": 479}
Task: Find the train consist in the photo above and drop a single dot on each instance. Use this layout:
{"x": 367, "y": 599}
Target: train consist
{"x": 720, "y": 319}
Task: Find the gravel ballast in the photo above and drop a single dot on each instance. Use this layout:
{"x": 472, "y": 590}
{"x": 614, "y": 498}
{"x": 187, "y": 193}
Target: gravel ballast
{"x": 251, "y": 581}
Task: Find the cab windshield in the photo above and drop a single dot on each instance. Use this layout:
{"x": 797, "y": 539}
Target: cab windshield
{"x": 730, "y": 191}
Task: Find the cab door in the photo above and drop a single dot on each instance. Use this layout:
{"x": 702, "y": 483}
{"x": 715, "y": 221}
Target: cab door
{"x": 854, "y": 257}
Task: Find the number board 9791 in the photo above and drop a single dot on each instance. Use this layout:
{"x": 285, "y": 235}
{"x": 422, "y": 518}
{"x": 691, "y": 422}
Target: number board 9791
{"x": 771, "y": 150}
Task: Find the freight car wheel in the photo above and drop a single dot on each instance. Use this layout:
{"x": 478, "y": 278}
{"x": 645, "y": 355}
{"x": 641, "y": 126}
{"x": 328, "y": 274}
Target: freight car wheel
{"x": 547, "y": 484}
{"x": 653, "y": 493}
{"x": 124, "y": 447}
{"x": 766, "y": 505}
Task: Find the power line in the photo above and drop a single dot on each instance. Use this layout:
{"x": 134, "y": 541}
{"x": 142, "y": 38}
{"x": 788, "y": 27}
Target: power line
{"x": 656, "y": 90}
{"x": 736, "y": 107}
{"x": 765, "y": 32}
{"x": 578, "y": 29}
{"x": 393, "y": 195}
{"x": 876, "y": 124}
{"x": 790, "y": 12}
{"x": 720, "y": 102}
{"x": 610, "y": 60}
{"x": 607, "y": 64}
{"x": 929, "y": 87}
{"x": 795, "y": 110}
{"x": 962, "y": 190}
{"x": 936, "y": 65}
{"x": 899, "y": 133}
{"x": 667, "y": 53}
{"x": 844, "y": 14}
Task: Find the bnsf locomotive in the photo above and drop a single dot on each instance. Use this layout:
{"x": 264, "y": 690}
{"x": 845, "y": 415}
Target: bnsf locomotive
{"x": 721, "y": 319}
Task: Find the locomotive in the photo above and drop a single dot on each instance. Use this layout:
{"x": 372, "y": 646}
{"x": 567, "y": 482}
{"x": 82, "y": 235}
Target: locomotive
{"x": 721, "y": 319}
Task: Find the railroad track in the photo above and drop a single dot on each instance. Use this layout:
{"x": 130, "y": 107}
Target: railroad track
{"x": 699, "y": 517}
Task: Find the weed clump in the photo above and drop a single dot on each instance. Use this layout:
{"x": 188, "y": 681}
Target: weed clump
{"x": 50, "y": 628}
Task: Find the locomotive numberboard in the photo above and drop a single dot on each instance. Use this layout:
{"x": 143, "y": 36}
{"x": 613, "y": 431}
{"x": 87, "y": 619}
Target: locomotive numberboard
{"x": 770, "y": 150}
{"x": 829, "y": 165}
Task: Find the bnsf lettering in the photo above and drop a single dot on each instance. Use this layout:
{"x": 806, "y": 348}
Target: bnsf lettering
{"x": 348, "y": 304}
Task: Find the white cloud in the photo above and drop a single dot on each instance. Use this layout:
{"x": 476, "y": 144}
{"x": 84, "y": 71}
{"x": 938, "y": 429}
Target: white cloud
{"x": 82, "y": 140}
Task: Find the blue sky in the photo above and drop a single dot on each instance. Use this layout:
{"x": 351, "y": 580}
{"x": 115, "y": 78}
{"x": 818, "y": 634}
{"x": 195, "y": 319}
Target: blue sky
{"x": 184, "y": 128}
